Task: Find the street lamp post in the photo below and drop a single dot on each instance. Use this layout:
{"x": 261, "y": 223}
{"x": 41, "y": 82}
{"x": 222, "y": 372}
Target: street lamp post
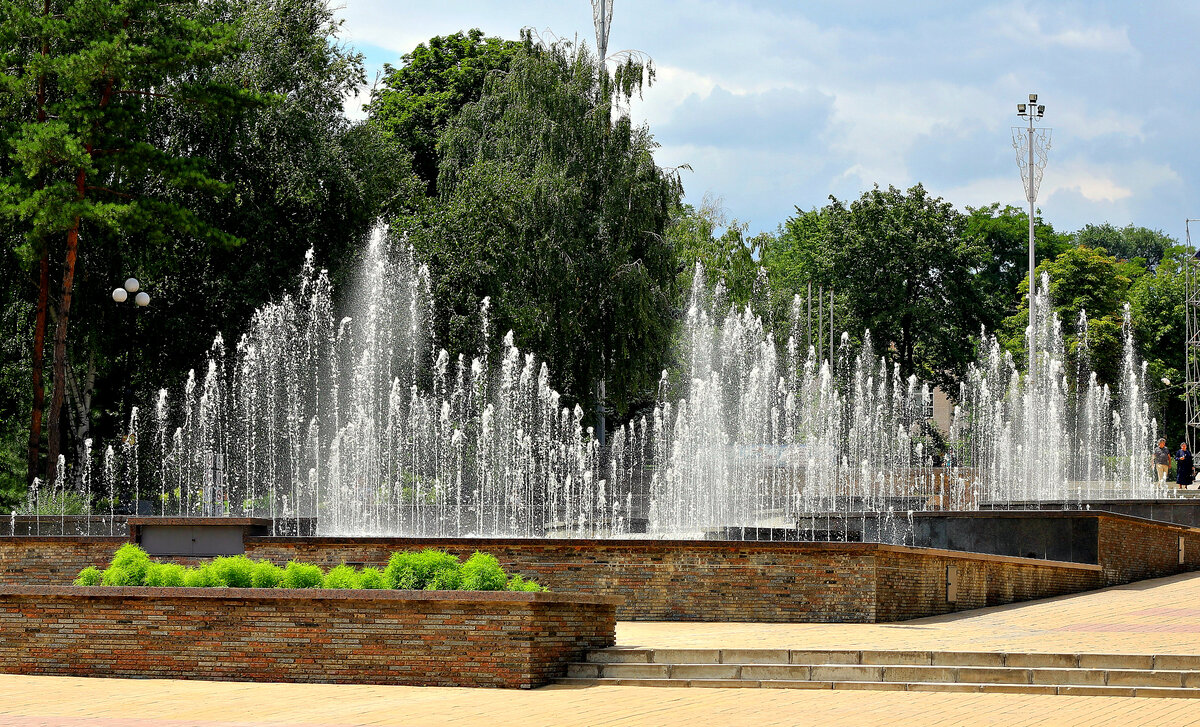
{"x": 1032, "y": 144}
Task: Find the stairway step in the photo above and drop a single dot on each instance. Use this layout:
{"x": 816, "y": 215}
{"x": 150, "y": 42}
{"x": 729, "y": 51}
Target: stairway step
{"x": 1019, "y": 676}
{"x": 821, "y": 657}
{"x": 993, "y": 688}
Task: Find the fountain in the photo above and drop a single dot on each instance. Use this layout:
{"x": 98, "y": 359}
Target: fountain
{"x": 363, "y": 427}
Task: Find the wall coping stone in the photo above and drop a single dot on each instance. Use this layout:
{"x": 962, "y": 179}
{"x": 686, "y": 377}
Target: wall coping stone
{"x": 1016, "y": 514}
{"x": 199, "y": 521}
{"x": 65, "y": 538}
{"x": 310, "y": 594}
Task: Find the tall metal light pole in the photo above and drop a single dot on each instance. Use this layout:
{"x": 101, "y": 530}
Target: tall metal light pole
{"x": 1032, "y": 145}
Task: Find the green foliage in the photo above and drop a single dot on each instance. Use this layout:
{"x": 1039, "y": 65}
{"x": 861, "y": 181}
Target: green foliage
{"x": 204, "y": 576}
{"x": 1158, "y": 303}
{"x": 517, "y": 583}
{"x": 342, "y": 576}
{"x": 114, "y": 576}
{"x": 54, "y": 502}
{"x": 237, "y": 571}
{"x": 166, "y": 575}
{"x": 415, "y": 102}
{"x": 372, "y": 578}
{"x": 550, "y": 204}
{"x": 266, "y": 575}
{"x": 705, "y": 236}
{"x": 1081, "y": 279}
{"x": 133, "y": 561}
{"x": 1135, "y": 244}
{"x": 482, "y": 572}
{"x": 904, "y": 266}
{"x": 90, "y": 576}
{"x": 302, "y": 575}
{"x": 1004, "y": 233}
{"x": 428, "y": 569}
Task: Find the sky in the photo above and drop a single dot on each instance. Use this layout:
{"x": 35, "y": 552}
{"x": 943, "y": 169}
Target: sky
{"x": 776, "y": 105}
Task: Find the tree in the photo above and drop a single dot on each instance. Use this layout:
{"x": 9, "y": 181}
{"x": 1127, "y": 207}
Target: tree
{"x": 1128, "y": 243}
{"x": 82, "y": 160}
{"x": 1082, "y": 279}
{"x": 1158, "y": 305}
{"x": 416, "y": 101}
{"x": 1004, "y": 233}
{"x": 904, "y": 264}
{"x": 550, "y": 203}
{"x": 707, "y": 237}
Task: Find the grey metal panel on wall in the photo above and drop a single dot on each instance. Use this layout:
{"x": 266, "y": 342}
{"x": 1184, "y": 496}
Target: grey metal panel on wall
{"x": 194, "y": 541}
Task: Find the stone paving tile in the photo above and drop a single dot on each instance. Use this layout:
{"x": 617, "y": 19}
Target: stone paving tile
{"x": 1160, "y": 616}
{"x": 75, "y": 702}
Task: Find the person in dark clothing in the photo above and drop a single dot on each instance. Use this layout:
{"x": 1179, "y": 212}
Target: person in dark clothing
{"x": 1183, "y": 466}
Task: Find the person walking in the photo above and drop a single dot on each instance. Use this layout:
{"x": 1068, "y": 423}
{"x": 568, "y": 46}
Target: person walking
{"x": 1183, "y": 466}
{"x": 1162, "y": 460}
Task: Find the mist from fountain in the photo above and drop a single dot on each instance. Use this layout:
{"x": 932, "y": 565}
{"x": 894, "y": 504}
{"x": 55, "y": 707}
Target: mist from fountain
{"x": 361, "y": 423}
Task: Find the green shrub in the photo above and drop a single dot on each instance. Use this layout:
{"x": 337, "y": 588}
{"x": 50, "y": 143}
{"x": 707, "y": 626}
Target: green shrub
{"x": 165, "y": 575}
{"x": 445, "y": 578}
{"x": 302, "y": 575}
{"x": 134, "y": 561}
{"x": 342, "y": 576}
{"x": 89, "y": 576}
{"x": 371, "y": 578}
{"x": 482, "y": 572}
{"x": 114, "y": 576}
{"x": 203, "y": 577}
{"x": 517, "y": 583}
{"x": 237, "y": 571}
{"x": 401, "y": 570}
{"x": 266, "y": 575}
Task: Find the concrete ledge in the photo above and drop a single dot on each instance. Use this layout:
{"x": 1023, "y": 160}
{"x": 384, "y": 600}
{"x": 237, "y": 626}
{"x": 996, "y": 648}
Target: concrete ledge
{"x": 310, "y": 594}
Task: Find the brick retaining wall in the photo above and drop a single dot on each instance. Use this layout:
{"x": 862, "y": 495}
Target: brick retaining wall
{"x": 363, "y": 637}
{"x": 691, "y": 580}
{"x": 53, "y": 560}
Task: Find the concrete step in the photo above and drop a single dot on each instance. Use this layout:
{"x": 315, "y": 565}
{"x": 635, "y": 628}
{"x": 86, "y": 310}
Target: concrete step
{"x": 998, "y": 688}
{"x": 1043, "y": 676}
{"x": 618, "y": 655}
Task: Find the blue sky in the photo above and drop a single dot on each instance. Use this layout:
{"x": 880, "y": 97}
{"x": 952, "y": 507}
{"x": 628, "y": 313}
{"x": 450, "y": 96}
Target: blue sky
{"x": 780, "y": 104}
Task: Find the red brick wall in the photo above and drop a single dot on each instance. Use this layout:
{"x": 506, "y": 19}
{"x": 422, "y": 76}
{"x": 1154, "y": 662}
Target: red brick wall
{"x": 52, "y": 560}
{"x": 1132, "y": 549}
{"x": 911, "y": 582}
{"x": 727, "y": 581}
{"x": 366, "y": 637}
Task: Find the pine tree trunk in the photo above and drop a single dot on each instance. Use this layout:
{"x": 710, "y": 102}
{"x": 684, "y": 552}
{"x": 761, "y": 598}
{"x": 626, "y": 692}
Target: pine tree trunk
{"x": 39, "y": 355}
{"x": 39, "y": 330}
{"x": 60, "y": 349}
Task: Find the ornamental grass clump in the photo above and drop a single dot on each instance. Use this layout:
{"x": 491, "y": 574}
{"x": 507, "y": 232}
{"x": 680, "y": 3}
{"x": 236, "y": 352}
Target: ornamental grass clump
{"x": 166, "y": 575}
{"x": 302, "y": 575}
{"x": 517, "y": 583}
{"x": 482, "y": 572}
{"x": 128, "y": 567}
{"x": 90, "y": 576}
{"x": 430, "y": 569}
{"x": 342, "y": 576}
{"x": 204, "y": 577}
{"x": 237, "y": 571}
{"x": 266, "y": 574}
{"x": 371, "y": 579}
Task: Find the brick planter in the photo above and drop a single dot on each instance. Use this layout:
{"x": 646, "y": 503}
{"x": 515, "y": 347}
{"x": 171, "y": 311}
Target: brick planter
{"x": 429, "y": 638}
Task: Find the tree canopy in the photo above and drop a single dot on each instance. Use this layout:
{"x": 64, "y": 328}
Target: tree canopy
{"x": 550, "y": 204}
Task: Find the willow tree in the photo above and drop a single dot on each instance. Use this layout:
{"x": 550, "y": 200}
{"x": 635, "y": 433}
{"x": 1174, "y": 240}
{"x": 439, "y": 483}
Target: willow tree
{"x": 551, "y": 203}
{"x": 83, "y": 80}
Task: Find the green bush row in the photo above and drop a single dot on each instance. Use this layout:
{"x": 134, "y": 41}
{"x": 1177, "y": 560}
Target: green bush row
{"x": 430, "y": 570}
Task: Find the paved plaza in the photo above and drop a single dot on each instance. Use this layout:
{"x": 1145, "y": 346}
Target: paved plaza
{"x": 1152, "y": 617}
